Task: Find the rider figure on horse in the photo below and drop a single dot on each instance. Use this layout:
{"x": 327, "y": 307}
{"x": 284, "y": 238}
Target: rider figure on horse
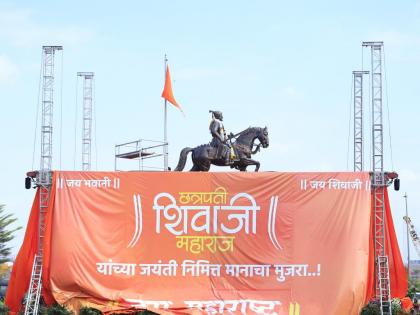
{"x": 220, "y": 140}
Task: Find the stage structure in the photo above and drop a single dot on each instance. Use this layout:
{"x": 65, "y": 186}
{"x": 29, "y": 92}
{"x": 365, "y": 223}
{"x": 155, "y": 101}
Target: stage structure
{"x": 358, "y": 120}
{"x": 88, "y": 86}
{"x": 43, "y": 178}
{"x": 139, "y": 151}
{"x": 379, "y": 181}
{"x": 178, "y": 185}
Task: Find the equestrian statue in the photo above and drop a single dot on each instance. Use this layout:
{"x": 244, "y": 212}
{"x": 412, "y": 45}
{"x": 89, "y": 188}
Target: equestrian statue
{"x": 232, "y": 150}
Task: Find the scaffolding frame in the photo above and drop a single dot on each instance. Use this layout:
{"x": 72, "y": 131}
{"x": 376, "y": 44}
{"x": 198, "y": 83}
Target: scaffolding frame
{"x": 358, "y": 125}
{"x": 44, "y": 176}
{"x": 140, "y": 150}
{"x": 88, "y": 85}
{"x": 379, "y": 181}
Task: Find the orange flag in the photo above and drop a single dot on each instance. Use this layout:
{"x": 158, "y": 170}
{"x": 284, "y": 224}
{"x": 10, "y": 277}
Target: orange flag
{"x": 167, "y": 93}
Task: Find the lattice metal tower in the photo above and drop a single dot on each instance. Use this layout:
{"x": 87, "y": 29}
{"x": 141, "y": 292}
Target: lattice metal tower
{"x": 88, "y": 85}
{"x": 358, "y": 120}
{"x": 44, "y": 174}
{"x": 378, "y": 179}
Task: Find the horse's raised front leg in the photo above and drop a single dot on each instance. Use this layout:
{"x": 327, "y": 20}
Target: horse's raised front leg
{"x": 257, "y": 166}
{"x": 247, "y": 162}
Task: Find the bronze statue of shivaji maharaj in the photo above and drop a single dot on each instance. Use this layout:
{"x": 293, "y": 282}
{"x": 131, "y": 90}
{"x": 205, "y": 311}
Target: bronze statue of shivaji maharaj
{"x": 220, "y": 140}
{"x": 233, "y": 150}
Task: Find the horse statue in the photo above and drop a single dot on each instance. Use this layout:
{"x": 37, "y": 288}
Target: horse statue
{"x": 242, "y": 145}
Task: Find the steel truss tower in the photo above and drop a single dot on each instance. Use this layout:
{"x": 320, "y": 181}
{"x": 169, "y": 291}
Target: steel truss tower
{"x": 44, "y": 174}
{"x": 87, "y": 119}
{"x": 358, "y": 119}
{"x": 378, "y": 180}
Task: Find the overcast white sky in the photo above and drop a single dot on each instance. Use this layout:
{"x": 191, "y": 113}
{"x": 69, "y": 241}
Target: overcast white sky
{"x": 282, "y": 64}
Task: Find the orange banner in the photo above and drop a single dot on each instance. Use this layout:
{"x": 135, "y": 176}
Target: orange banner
{"x": 211, "y": 243}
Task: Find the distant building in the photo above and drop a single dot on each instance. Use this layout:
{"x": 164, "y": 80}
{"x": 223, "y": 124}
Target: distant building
{"x": 415, "y": 269}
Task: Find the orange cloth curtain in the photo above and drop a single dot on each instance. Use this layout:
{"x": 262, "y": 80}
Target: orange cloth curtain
{"x": 192, "y": 242}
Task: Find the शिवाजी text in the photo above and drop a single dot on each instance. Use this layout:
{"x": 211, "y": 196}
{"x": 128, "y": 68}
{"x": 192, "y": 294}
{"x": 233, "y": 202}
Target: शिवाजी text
{"x": 195, "y": 268}
{"x": 200, "y": 217}
{"x": 196, "y": 219}
{"x": 176, "y": 219}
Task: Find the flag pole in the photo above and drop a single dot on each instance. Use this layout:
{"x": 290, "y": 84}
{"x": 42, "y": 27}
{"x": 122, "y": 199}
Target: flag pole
{"x": 165, "y": 130}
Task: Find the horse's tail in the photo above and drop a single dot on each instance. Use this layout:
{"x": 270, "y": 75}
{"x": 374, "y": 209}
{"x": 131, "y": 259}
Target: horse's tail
{"x": 182, "y": 159}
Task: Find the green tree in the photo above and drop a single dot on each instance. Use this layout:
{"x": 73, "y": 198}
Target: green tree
{"x": 413, "y": 287}
{"x": 6, "y": 234}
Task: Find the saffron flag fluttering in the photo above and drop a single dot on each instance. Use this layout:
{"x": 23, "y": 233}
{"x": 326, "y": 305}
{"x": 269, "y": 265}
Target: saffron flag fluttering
{"x": 167, "y": 93}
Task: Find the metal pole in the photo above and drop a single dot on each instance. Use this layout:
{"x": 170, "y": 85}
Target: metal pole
{"x": 408, "y": 237}
{"x": 165, "y": 131}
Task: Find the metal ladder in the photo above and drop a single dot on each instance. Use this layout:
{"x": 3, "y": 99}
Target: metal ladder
{"x": 35, "y": 287}
{"x": 383, "y": 279}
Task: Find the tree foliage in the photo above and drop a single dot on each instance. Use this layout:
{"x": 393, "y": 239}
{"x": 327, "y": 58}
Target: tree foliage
{"x": 6, "y": 233}
{"x": 4, "y": 310}
{"x": 413, "y": 287}
{"x": 89, "y": 311}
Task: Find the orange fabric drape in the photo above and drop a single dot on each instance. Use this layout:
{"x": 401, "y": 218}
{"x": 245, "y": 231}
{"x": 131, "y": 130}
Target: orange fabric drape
{"x": 298, "y": 223}
{"x": 22, "y": 267}
{"x": 46, "y": 288}
{"x": 370, "y": 288}
{"x": 397, "y": 272}
{"x": 88, "y": 214}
